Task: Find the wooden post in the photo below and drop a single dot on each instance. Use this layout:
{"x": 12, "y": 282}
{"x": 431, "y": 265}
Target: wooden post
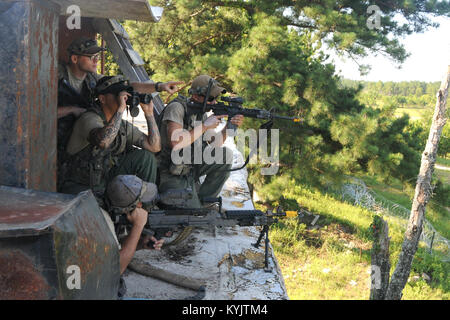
{"x": 422, "y": 195}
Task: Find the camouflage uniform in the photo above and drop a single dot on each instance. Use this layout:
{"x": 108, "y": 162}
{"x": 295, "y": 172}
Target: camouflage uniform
{"x": 92, "y": 168}
{"x": 188, "y": 174}
{"x": 73, "y": 92}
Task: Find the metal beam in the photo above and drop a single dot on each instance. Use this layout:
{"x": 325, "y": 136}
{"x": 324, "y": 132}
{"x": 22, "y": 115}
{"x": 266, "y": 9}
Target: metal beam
{"x": 113, "y": 9}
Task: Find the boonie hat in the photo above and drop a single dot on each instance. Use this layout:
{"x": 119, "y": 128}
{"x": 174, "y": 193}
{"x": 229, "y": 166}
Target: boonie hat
{"x": 127, "y": 190}
{"x": 200, "y": 86}
{"x": 84, "y": 45}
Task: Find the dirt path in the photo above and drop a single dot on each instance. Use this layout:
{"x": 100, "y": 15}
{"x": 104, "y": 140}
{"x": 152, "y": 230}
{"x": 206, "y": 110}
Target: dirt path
{"x": 441, "y": 167}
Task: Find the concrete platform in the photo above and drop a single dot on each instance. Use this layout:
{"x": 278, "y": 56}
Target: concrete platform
{"x": 222, "y": 259}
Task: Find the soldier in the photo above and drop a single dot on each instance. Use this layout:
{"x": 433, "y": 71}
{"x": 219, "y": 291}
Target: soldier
{"x": 101, "y": 144}
{"x": 76, "y": 84}
{"x": 175, "y": 118}
{"x": 78, "y": 78}
{"x": 127, "y": 194}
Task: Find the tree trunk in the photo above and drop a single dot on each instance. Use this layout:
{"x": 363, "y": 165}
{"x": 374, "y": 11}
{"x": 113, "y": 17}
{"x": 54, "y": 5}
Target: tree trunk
{"x": 380, "y": 260}
{"x": 422, "y": 195}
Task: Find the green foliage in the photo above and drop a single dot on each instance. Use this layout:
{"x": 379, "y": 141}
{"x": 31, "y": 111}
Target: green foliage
{"x": 269, "y": 52}
{"x": 441, "y": 193}
{"x": 431, "y": 265}
{"x": 376, "y": 227}
{"x": 333, "y": 262}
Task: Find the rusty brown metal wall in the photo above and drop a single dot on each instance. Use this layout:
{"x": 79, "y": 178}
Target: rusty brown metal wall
{"x": 43, "y": 234}
{"x": 28, "y": 78}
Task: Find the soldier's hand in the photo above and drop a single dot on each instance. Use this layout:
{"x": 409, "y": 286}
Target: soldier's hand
{"x": 77, "y": 111}
{"x": 170, "y": 86}
{"x": 138, "y": 217}
{"x": 150, "y": 242}
{"x": 123, "y": 96}
{"x": 67, "y": 110}
{"x": 237, "y": 119}
{"x": 147, "y": 108}
{"x": 213, "y": 121}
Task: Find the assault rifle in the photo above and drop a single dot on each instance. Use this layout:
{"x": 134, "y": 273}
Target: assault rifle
{"x": 233, "y": 106}
{"x": 201, "y": 217}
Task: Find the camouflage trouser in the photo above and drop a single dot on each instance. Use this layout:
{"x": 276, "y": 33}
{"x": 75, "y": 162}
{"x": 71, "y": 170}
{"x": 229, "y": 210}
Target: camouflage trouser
{"x": 139, "y": 162}
{"x": 216, "y": 176}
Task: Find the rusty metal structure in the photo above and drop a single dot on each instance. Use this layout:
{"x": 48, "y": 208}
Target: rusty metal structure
{"x": 46, "y": 238}
{"x": 43, "y": 233}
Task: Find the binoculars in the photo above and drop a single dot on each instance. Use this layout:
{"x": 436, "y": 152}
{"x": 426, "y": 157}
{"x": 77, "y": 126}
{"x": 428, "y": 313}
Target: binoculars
{"x": 134, "y": 100}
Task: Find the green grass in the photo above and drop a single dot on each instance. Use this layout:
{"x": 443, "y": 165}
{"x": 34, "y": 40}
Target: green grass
{"x": 414, "y": 113}
{"x": 333, "y": 262}
{"x": 436, "y": 214}
{"x": 443, "y": 175}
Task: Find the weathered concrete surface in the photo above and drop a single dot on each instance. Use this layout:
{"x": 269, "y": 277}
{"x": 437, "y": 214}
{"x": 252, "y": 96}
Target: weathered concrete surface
{"x": 223, "y": 259}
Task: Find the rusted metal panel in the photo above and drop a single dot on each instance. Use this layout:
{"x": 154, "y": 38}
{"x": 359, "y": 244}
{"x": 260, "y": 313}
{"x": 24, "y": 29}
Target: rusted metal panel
{"x": 43, "y": 235}
{"x": 22, "y": 277}
{"x": 28, "y": 77}
{"x": 28, "y": 211}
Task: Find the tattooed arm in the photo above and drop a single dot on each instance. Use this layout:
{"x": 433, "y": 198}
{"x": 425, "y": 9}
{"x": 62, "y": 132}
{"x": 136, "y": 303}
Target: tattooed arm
{"x": 103, "y": 137}
{"x": 152, "y": 141}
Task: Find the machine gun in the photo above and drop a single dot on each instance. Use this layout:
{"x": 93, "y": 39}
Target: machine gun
{"x": 201, "y": 217}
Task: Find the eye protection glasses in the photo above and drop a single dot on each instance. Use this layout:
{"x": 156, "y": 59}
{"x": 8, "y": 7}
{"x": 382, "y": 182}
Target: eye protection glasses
{"x": 92, "y": 57}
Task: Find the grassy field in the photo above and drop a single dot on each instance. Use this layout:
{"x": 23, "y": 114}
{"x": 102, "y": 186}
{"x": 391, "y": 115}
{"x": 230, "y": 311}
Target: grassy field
{"x": 438, "y": 215}
{"x": 414, "y": 113}
{"x": 331, "y": 259}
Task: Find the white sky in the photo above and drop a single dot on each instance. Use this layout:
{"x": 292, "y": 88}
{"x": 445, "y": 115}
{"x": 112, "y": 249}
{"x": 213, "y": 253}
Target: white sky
{"x": 430, "y": 56}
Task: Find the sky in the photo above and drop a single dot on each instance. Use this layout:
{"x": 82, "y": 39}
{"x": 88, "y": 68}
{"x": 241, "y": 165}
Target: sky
{"x": 430, "y": 56}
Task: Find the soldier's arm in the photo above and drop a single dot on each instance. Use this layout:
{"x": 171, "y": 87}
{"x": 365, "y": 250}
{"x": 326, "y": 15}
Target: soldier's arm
{"x": 138, "y": 218}
{"x": 103, "y": 137}
{"x": 66, "y": 110}
{"x": 170, "y": 86}
{"x": 236, "y": 120}
{"x": 151, "y": 141}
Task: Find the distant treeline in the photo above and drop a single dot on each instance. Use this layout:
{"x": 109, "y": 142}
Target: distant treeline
{"x": 390, "y": 88}
{"x": 405, "y": 94}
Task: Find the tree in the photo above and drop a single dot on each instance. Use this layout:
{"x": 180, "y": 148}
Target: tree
{"x": 214, "y": 28}
{"x": 270, "y": 53}
{"x": 392, "y": 289}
